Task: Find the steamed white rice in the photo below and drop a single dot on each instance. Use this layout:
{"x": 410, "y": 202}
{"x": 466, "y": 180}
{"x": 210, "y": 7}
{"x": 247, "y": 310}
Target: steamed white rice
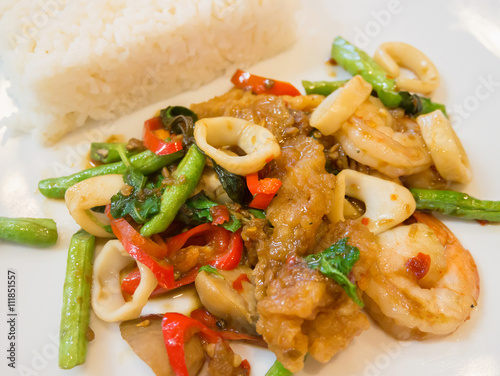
{"x": 71, "y": 61}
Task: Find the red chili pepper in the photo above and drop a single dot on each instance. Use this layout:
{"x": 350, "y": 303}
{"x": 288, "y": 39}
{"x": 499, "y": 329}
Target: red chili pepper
{"x": 155, "y": 143}
{"x": 228, "y": 246}
{"x": 262, "y": 85}
{"x": 177, "y": 330}
{"x": 139, "y": 248}
{"x": 419, "y": 265}
{"x": 133, "y": 279}
{"x": 220, "y": 214}
{"x": 228, "y": 250}
{"x": 246, "y": 366}
{"x": 237, "y": 284}
{"x": 232, "y": 257}
{"x": 263, "y": 190}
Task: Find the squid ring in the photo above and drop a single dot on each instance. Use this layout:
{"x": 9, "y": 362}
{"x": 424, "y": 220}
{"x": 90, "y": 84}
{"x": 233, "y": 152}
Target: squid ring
{"x": 107, "y": 298}
{"x": 340, "y": 105}
{"x": 83, "y": 196}
{"x": 446, "y": 150}
{"x": 393, "y": 55}
{"x": 257, "y": 142}
{"x": 387, "y": 203}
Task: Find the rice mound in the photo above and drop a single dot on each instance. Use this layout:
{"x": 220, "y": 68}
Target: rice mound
{"x": 71, "y": 61}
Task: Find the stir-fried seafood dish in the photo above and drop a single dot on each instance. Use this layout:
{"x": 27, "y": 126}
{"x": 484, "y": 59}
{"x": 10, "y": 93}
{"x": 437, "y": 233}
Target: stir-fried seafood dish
{"x": 294, "y": 217}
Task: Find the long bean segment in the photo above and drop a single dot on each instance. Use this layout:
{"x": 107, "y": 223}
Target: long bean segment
{"x": 322, "y": 87}
{"x": 277, "y": 369}
{"x": 456, "y": 204}
{"x": 186, "y": 178}
{"x": 356, "y": 61}
{"x": 107, "y": 152}
{"x": 146, "y": 162}
{"x": 74, "y": 333}
{"x": 39, "y": 232}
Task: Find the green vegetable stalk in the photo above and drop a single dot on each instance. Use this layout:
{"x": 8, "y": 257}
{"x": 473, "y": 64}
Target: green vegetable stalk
{"x": 322, "y": 87}
{"x": 456, "y": 204}
{"x": 336, "y": 263}
{"x": 38, "y": 232}
{"x": 356, "y": 61}
{"x": 76, "y": 301}
{"x": 196, "y": 210}
{"x": 186, "y": 178}
{"x": 146, "y": 162}
{"x": 107, "y": 152}
{"x": 277, "y": 369}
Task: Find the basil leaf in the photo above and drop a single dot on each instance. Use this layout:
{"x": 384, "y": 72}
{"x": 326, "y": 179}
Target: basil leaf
{"x": 196, "y": 210}
{"x": 210, "y": 270}
{"x": 336, "y": 263}
{"x": 142, "y": 203}
{"x": 180, "y": 120}
{"x": 234, "y": 185}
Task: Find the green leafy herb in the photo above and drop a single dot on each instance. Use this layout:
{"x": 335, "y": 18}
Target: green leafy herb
{"x": 234, "y": 185}
{"x": 210, "y": 270}
{"x": 277, "y": 369}
{"x": 257, "y": 213}
{"x": 180, "y": 120}
{"x": 196, "y": 210}
{"x": 142, "y": 203}
{"x": 336, "y": 263}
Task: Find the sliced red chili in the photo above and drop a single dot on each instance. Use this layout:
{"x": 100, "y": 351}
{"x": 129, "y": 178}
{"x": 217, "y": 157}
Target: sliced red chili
{"x": 419, "y": 265}
{"x": 262, "y": 85}
{"x": 156, "y": 144}
{"x": 220, "y": 214}
{"x": 237, "y": 284}
{"x": 263, "y": 190}
{"x": 139, "y": 248}
{"x": 232, "y": 257}
{"x": 177, "y": 330}
{"x": 227, "y": 252}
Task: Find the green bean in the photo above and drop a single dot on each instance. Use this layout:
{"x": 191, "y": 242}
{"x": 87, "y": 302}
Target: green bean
{"x": 186, "y": 178}
{"x": 322, "y": 87}
{"x": 74, "y": 331}
{"x": 39, "y": 232}
{"x": 277, "y": 369}
{"x": 146, "y": 162}
{"x": 107, "y": 152}
{"x": 456, "y": 204}
{"x": 356, "y": 61}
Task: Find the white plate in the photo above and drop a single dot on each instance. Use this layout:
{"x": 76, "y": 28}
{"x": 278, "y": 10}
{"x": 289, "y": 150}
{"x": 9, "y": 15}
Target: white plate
{"x": 461, "y": 37}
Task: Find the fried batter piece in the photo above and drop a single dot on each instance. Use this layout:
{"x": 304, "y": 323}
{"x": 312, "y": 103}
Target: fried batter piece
{"x": 300, "y": 310}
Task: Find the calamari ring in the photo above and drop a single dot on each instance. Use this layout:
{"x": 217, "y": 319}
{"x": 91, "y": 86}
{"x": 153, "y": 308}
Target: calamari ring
{"x": 257, "y": 142}
{"x": 387, "y": 204}
{"x": 393, "y": 55}
{"x": 340, "y": 105}
{"x": 445, "y": 147}
{"x": 83, "y": 196}
{"x": 107, "y": 298}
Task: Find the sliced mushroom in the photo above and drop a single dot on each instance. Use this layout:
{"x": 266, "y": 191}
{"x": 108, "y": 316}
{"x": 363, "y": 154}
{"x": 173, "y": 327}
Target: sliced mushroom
{"x": 144, "y": 335}
{"x": 217, "y": 294}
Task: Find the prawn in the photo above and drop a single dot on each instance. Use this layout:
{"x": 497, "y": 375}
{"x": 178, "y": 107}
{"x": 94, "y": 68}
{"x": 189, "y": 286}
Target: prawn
{"x": 413, "y": 295}
{"x": 373, "y": 137}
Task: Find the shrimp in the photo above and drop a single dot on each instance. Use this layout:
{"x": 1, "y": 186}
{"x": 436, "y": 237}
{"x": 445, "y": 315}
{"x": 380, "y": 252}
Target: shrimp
{"x": 373, "y": 137}
{"x": 413, "y": 295}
